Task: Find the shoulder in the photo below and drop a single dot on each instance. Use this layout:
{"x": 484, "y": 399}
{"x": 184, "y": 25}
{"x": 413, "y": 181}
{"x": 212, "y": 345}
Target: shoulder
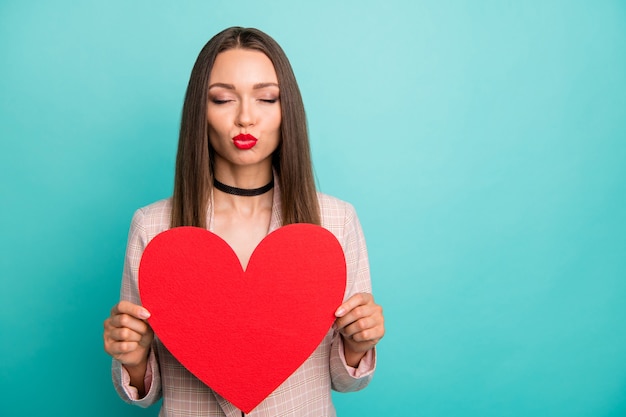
{"x": 339, "y": 217}
{"x": 158, "y": 208}
{"x": 335, "y": 213}
{"x": 153, "y": 218}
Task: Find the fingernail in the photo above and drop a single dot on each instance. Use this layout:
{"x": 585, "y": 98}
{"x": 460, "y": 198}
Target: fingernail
{"x": 144, "y": 314}
{"x": 340, "y": 312}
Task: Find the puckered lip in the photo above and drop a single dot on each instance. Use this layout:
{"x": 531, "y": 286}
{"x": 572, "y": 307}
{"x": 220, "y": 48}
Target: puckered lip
{"x": 244, "y": 141}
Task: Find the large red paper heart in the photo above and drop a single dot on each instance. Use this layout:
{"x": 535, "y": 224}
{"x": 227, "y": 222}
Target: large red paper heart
{"x": 242, "y": 333}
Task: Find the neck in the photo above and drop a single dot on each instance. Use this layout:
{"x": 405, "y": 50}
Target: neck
{"x": 243, "y": 192}
{"x": 244, "y": 177}
{"x": 235, "y": 205}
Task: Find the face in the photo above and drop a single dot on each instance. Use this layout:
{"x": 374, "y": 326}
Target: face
{"x": 243, "y": 110}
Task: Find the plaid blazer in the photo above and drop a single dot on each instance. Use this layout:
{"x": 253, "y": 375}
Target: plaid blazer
{"x": 307, "y": 392}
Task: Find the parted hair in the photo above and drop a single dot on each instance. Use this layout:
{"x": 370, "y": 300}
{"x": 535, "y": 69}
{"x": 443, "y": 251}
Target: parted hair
{"x": 193, "y": 182}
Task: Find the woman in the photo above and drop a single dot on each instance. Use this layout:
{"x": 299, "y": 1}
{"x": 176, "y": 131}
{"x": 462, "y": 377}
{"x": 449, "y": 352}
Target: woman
{"x": 243, "y": 169}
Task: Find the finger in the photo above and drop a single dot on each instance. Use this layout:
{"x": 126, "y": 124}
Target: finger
{"x": 116, "y": 348}
{"x": 369, "y": 335}
{"x": 353, "y": 315}
{"x": 353, "y": 302}
{"x": 124, "y": 334}
{"x": 358, "y": 326}
{"x": 130, "y": 322}
{"x": 126, "y": 307}
{"x": 121, "y": 348}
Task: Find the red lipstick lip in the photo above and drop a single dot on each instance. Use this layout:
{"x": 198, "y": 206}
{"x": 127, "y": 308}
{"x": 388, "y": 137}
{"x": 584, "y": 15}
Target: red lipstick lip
{"x": 244, "y": 141}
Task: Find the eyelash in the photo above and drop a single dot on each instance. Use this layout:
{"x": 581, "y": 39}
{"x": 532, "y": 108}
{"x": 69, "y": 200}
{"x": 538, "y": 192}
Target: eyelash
{"x": 268, "y": 101}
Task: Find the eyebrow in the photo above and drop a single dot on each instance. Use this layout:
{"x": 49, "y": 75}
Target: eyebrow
{"x": 254, "y": 87}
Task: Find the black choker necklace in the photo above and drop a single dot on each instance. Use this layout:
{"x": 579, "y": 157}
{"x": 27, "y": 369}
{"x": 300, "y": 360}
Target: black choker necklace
{"x": 243, "y": 191}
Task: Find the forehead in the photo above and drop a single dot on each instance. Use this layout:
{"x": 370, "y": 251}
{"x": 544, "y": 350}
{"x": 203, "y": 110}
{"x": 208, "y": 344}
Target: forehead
{"x": 242, "y": 67}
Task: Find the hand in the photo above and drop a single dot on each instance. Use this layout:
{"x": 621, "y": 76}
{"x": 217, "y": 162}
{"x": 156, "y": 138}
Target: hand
{"x": 127, "y": 336}
{"x": 361, "y": 323}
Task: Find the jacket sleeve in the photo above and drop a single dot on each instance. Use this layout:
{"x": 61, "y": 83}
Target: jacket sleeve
{"x": 137, "y": 241}
{"x": 345, "y": 378}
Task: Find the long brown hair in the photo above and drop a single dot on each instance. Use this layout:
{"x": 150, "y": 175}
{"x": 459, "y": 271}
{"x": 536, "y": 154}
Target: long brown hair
{"x": 291, "y": 160}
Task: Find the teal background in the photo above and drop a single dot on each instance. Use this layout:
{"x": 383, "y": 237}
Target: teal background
{"x": 483, "y": 144}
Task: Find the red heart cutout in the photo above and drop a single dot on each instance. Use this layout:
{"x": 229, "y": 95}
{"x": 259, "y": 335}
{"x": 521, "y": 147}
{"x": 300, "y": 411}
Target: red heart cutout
{"x": 242, "y": 333}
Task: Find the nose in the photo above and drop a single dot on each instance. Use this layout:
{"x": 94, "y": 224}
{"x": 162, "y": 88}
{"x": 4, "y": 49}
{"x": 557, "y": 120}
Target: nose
{"x": 245, "y": 115}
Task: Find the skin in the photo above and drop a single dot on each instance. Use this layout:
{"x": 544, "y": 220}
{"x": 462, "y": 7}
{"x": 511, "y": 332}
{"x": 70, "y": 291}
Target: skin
{"x": 127, "y": 338}
{"x": 244, "y": 97}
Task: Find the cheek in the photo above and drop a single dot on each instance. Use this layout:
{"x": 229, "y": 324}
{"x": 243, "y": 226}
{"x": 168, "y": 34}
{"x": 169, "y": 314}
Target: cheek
{"x": 211, "y": 119}
{"x": 216, "y": 113}
{"x": 276, "y": 120}
{"x": 216, "y": 123}
{"x": 214, "y": 137}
